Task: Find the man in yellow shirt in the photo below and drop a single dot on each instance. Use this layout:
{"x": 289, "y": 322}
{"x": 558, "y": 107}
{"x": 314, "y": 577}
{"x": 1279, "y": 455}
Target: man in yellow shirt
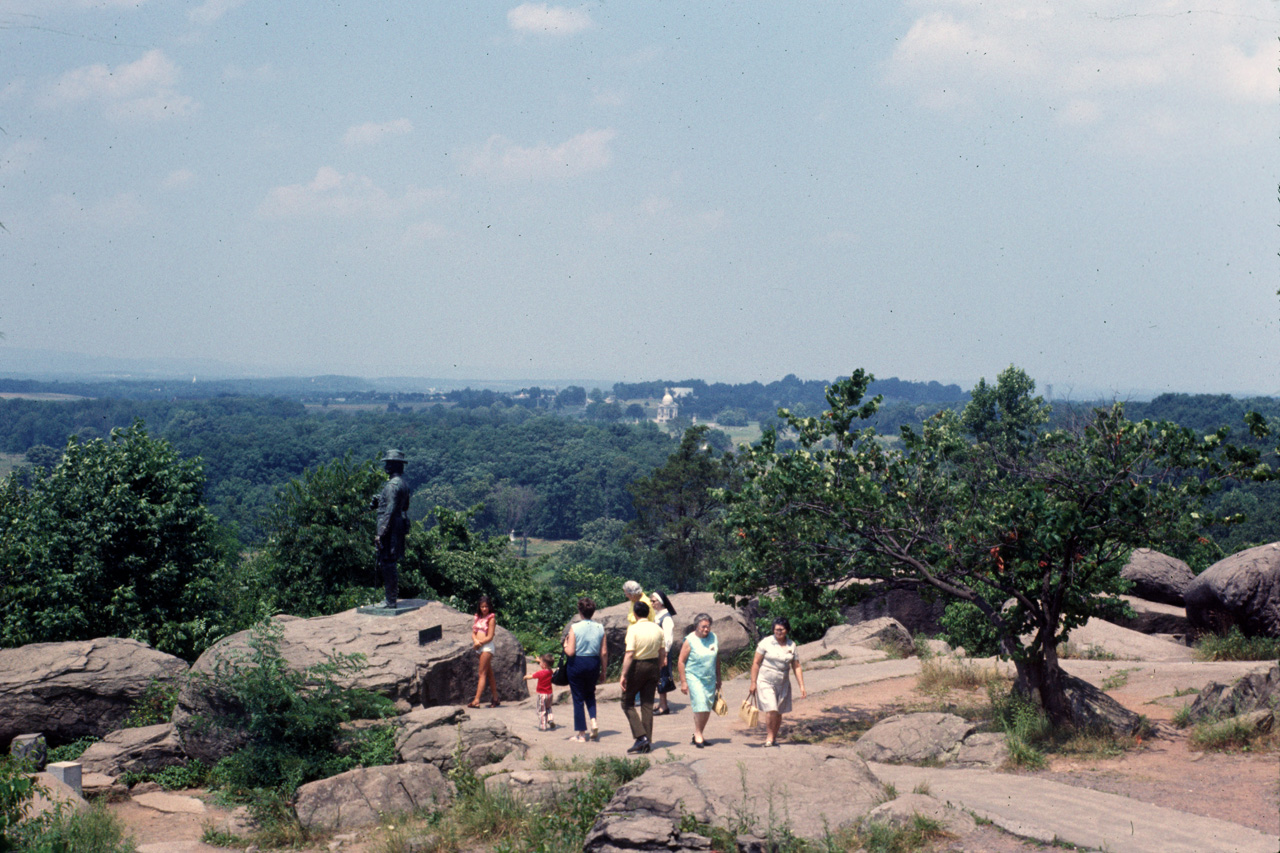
{"x": 646, "y": 654}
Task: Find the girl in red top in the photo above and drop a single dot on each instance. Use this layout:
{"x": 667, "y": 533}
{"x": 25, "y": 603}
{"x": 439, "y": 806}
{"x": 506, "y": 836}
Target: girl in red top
{"x": 482, "y": 631}
{"x": 543, "y": 677}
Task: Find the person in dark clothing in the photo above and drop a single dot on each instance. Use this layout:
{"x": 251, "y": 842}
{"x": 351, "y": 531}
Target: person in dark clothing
{"x": 392, "y": 506}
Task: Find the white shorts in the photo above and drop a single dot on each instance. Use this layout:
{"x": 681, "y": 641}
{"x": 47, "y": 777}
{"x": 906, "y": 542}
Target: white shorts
{"x": 487, "y": 647}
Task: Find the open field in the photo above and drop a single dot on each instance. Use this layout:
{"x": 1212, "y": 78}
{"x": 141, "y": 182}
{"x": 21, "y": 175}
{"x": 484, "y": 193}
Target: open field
{"x": 541, "y": 547}
{"x": 9, "y": 461}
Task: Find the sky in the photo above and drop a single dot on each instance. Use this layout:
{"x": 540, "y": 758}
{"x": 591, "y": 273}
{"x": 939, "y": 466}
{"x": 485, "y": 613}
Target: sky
{"x": 732, "y": 191}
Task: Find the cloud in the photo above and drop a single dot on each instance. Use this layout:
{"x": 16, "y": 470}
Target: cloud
{"x": 371, "y": 133}
{"x": 502, "y": 159}
{"x": 1090, "y": 62}
{"x": 142, "y": 89}
{"x": 333, "y": 194}
{"x": 211, "y": 10}
{"x": 548, "y": 20}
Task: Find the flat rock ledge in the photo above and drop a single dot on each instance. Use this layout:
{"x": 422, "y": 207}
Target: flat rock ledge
{"x": 806, "y": 791}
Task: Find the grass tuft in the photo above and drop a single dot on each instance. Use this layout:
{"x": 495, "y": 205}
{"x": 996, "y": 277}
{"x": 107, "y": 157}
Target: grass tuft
{"x": 940, "y": 675}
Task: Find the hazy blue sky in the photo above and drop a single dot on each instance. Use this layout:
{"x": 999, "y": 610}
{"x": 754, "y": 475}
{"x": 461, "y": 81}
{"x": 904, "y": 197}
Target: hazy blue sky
{"x": 637, "y": 190}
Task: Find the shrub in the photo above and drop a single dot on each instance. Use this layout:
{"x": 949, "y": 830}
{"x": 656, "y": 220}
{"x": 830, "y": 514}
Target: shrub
{"x": 94, "y": 830}
{"x": 154, "y": 706}
{"x": 1232, "y": 734}
{"x": 1236, "y": 646}
{"x": 292, "y": 718}
{"x": 16, "y": 790}
{"x": 71, "y": 751}
{"x": 1025, "y": 726}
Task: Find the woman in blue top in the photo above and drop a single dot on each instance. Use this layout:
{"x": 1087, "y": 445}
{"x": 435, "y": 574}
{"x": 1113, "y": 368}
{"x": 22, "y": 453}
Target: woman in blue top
{"x": 588, "y": 661}
{"x": 700, "y": 673}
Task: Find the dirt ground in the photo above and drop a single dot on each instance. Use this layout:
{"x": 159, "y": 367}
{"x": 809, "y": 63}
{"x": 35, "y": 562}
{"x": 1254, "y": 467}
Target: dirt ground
{"x": 1240, "y": 787}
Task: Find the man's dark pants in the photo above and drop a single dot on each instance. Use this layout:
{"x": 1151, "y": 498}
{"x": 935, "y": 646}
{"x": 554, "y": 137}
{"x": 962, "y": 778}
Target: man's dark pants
{"x": 390, "y": 577}
{"x": 642, "y": 681}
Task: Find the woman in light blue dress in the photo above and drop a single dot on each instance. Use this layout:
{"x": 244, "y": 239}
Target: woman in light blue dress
{"x": 700, "y": 673}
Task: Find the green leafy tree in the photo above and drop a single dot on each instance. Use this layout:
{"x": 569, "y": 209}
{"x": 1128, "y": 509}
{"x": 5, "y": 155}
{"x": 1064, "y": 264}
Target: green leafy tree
{"x": 318, "y": 557}
{"x": 679, "y": 514}
{"x": 1029, "y": 528}
{"x": 113, "y": 543}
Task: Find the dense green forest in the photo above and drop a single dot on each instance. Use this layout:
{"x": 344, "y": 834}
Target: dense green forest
{"x": 270, "y": 497}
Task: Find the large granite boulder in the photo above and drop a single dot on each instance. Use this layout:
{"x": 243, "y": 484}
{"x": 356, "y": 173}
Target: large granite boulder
{"x": 1157, "y": 577}
{"x": 77, "y": 689}
{"x": 1242, "y": 590}
{"x": 360, "y": 797}
{"x": 141, "y": 750}
{"x": 441, "y": 672}
{"x": 807, "y": 791}
{"x": 442, "y": 736}
{"x": 734, "y": 627}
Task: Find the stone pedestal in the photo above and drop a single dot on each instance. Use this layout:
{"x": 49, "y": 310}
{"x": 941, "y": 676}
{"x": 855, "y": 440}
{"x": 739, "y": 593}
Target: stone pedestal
{"x": 68, "y": 773}
{"x": 404, "y": 605}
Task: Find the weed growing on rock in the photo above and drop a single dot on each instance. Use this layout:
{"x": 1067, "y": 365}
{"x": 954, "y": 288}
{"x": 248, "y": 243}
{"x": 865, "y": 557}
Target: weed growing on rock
{"x": 1116, "y": 680}
{"x": 1233, "y": 734}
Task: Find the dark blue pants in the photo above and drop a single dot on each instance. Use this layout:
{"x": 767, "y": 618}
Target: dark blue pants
{"x": 584, "y": 671}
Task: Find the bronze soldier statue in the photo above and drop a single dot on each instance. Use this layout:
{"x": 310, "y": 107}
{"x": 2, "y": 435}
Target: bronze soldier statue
{"x": 392, "y": 506}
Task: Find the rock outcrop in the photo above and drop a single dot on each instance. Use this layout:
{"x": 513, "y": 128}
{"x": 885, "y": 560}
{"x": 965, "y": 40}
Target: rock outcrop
{"x": 77, "y": 689}
{"x": 1257, "y": 691}
{"x": 441, "y": 672}
{"x": 534, "y": 786}
{"x": 914, "y": 738}
{"x": 360, "y": 797}
{"x": 141, "y": 750}
{"x": 1157, "y": 577}
{"x": 440, "y": 736}
{"x": 1241, "y": 591}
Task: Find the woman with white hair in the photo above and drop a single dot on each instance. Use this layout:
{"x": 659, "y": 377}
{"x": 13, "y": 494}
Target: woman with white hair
{"x": 634, "y": 592}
